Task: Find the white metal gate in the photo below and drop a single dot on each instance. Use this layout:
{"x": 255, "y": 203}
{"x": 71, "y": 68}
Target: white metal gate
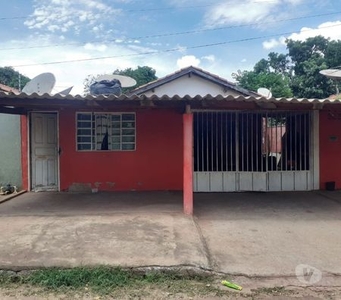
{"x": 252, "y": 151}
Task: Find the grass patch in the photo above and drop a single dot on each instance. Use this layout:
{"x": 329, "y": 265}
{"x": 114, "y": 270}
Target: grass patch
{"x": 102, "y": 280}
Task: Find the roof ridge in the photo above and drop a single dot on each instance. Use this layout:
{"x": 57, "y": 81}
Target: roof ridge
{"x": 187, "y": 70}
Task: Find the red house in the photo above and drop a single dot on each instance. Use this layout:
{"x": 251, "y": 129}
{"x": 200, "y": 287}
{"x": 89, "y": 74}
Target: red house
{"x": 189, "y": 143}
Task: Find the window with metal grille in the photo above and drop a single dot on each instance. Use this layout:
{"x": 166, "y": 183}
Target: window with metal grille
{"x": 109, "y": 131}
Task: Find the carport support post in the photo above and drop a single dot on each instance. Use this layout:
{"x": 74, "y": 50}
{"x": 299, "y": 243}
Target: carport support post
{"x": 188, "y": 161}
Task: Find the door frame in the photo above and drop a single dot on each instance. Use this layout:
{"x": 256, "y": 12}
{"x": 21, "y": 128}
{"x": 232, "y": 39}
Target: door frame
{"x": 29, "y": 134}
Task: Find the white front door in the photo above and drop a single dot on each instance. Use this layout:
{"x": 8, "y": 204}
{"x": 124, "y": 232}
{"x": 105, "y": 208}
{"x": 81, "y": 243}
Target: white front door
{"x": 44, "y": 152}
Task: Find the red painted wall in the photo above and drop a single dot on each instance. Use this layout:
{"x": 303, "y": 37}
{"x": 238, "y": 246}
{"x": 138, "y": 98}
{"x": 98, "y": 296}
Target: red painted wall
{"x": 330, "y": 151}
{"x": 156, "y": 164}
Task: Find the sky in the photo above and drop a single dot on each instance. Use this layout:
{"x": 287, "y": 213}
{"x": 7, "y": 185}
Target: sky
{"x": 74, "y": 39}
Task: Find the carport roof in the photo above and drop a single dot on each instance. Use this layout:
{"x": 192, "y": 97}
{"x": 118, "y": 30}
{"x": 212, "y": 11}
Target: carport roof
{"x": 12, "y": 103}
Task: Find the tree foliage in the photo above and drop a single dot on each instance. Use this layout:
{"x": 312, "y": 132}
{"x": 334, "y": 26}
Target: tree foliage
{"x": 296, "y": 73}
{"x": 270, "y": 73}
{"x": 10, "y": 77}
{"x": 142, "y": 75}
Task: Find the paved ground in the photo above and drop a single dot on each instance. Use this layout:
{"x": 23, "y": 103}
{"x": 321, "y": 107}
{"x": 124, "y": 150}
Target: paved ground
{"x": 269, "y": 234}
{"x": 247, "y": 234}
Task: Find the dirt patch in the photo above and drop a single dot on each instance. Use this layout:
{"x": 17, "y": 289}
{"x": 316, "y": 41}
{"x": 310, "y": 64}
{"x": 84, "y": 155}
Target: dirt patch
{"x": 185, "y": 289}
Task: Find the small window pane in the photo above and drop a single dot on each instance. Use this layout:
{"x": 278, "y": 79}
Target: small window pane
{"x": 128, "y": 139}
{"x": 84, "y": 139}
{"x": 128, "y": 124}
{"x": 128, "y": 117}
{"x": 116, "y": 139}
{"x": 84, "y": 147}
{"x": 84, "y": 117}
{"x": 116, "y": 118}
{"x": 128, "y": 147}
{"x": 82, "y": 124}
{"x": 128, "y": 131}
{"x": 116, "y": 125}
{"x": 116, "y": 132}
{"x": 116, "y": 147}
{"x": 84, "y": 131}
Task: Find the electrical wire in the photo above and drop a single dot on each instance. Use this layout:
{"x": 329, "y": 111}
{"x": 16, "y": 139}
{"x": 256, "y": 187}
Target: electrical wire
{"x": 174, "y": 33}
{"x": 167, "y": 50}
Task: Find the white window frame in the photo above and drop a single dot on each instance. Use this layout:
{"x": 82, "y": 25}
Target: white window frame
{"x": 96, "y": 135}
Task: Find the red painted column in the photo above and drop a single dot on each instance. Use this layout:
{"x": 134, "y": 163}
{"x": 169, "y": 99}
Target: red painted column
{"x": 188, "y": 163}
{"x": 24, "y": 151}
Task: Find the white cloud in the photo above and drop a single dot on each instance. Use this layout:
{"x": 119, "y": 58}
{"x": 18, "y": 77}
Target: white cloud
{"x": 273, "y": 43}
{"x": 210, "y": 58}
{"x": 73, "y": 73}
{"x": 99, "y": 48}
{"x": 67, "y": 15}
{"x": 330, "y": 30}
{"x": 244, "y": 60}
{"x": 188, "y": 60}
{"x": 247, "y": 12}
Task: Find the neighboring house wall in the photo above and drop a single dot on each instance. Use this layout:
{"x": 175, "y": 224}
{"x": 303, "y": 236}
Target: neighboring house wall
{"x": 193, "y": 85}
{"x": 330, "y": 148}
{"x": 10, "y": 150}
{"x": 156, "y": 164}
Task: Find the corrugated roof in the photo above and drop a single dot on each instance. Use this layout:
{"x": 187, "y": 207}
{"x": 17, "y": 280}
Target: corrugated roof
{"x": 163, "y": 98}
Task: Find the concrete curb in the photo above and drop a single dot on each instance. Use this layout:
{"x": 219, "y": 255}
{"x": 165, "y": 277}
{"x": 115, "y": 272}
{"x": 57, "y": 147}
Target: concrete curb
{"x": 11, "y": 196}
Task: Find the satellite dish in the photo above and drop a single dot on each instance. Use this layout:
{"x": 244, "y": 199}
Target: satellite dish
{"x": 264, "y": 92}
{"x": 334, "y": 74}
{"x": 41, "y": 84}
{"x": 66, "y": 91}
{"x": 124, "y": 80}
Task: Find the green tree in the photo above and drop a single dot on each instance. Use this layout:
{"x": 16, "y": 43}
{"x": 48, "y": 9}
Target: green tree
{"x": 297, "y": 72}
{"x": 308, "y": 58}
{"x": 142, "y": 75}
{"x": 10, "y": 77}
{"x": 271, "y": 73}
{"x": 278, "y": 84}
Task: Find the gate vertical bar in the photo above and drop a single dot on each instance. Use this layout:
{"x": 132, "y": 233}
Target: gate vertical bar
{"x": 237, "y": 150}
{"x": 221, "y": 143}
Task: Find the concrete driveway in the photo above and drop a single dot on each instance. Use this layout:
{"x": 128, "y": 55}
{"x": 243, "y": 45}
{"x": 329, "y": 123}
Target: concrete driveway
{"x": 270, "y": 234}
{"x": 252, "y": 234}
{"x": 127, "y": 229}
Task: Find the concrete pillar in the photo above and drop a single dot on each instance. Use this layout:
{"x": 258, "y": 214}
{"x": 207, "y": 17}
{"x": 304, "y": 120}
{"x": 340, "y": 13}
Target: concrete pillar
{"x": 24, "y": 151}
{"x": 188, "y": 163}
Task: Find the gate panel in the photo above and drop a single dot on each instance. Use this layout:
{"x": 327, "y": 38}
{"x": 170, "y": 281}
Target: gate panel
{"x": 230, "y": 182}
{"x": 275, "y": 181}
